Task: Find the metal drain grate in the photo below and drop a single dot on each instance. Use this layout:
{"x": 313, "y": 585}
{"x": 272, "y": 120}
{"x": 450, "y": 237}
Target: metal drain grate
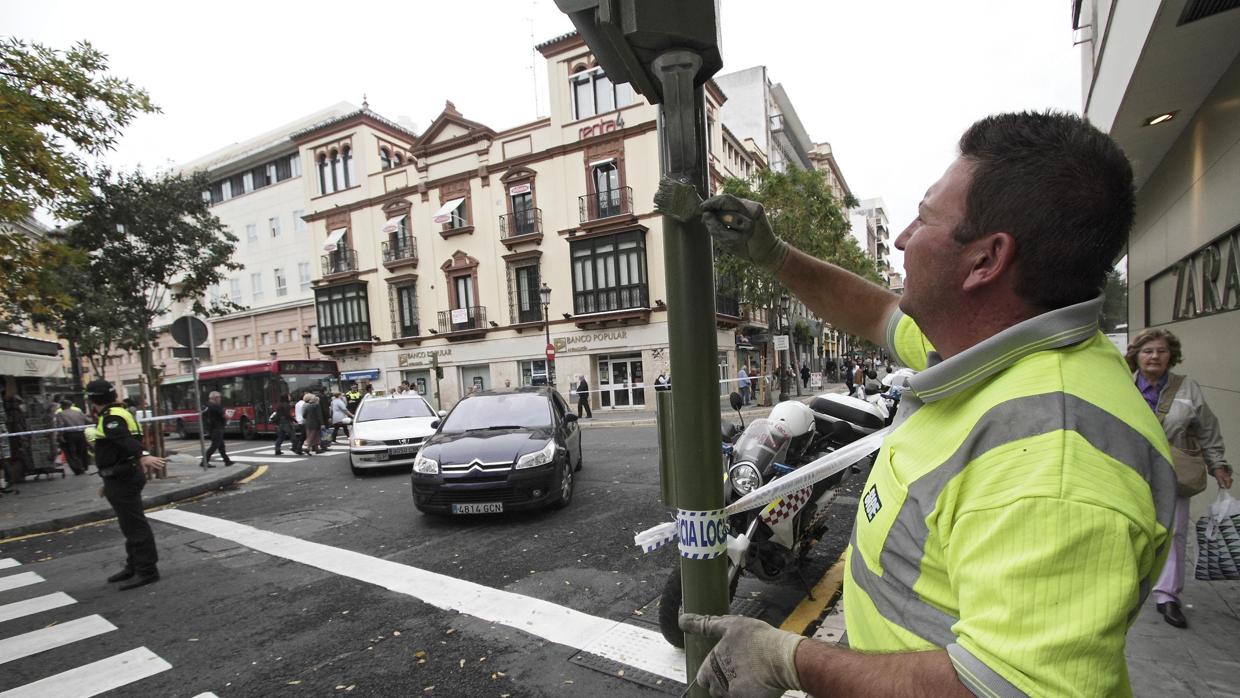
{"x": 628, "y": 673}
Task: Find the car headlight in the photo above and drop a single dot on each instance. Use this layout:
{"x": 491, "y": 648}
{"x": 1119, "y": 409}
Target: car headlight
{"x": 745, "y": 478}
{"x": 366, "y": 442}
{"x": 537, "y": 458}
{"x": 425, "y": 465}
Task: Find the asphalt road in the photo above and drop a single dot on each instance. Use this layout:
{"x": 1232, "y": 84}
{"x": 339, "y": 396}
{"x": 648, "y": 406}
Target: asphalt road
{"x": 234, "y": 621}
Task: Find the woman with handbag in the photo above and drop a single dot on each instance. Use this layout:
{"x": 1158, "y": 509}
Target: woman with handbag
{"x": 1196, "y": 447}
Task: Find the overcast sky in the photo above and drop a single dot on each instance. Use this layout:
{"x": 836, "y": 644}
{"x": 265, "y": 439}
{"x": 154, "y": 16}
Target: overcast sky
{"x": 891, "y": 85}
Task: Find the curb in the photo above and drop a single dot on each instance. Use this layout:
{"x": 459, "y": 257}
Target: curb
{"x": 147, "y": 503}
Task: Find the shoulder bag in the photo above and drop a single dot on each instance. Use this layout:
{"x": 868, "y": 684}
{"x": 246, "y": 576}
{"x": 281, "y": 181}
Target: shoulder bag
{"x": 1190, "y": 466}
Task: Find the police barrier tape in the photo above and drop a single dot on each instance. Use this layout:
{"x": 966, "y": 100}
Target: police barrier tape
{"x": 87, "y": 426}
{"x": 657, "y": 536}
{"x": 634, "y": 386}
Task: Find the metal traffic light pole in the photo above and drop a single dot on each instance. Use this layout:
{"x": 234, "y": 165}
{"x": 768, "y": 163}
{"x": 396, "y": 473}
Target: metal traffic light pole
{"x": 667, "y": 51}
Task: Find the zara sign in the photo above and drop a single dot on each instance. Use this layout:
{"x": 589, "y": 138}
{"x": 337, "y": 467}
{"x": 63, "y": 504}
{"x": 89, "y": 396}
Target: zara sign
{"x": 1206, "y": 282}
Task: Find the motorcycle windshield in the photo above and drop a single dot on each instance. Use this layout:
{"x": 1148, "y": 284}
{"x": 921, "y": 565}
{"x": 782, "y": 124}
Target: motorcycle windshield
{"x": 762, "y": 443}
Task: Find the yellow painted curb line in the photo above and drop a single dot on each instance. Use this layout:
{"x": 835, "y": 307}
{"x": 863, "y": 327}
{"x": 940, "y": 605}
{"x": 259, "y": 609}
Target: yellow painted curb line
{"x": 824, "y": 591}
{"x": 170, "y": 505}
{"x": 253, "y": 476}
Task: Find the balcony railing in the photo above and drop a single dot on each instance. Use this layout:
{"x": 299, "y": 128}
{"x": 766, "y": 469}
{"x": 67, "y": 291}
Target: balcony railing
{"x": 524, "y": 222}
{"x": 529, "y": 315}
{"x": 471, "y": 318}
{"x": 350, "y": 332}
{"x": 727, "y": 305}
{"x": 602, "y": 300}
{"x": 399, "y": 248}
{"x": 605, "y": 204}
{"x": 341, "y": 261}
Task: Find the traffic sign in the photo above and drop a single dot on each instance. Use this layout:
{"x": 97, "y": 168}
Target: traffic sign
{"x": 550, "y": 352}
{"x": 781, "y": 342}
{"x": 187, "y": 326}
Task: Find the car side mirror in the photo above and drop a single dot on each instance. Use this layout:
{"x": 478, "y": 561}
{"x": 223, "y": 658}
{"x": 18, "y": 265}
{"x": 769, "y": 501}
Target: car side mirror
{"x": 443, "y": 413}
{"x": 570, "y": 417}
{"x": 435, "y": 424}
{"x": 734, "y": 399}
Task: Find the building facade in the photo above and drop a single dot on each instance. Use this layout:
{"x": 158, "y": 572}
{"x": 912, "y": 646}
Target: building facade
{"x": 1163, "y": 78}
{"x": 437, "y": 251}
{"x": 878, "y": 235}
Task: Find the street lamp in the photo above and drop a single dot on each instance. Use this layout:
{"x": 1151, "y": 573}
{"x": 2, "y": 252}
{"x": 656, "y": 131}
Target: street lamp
{"x": 305, "y": 340}
{"x": 784, "y": 322}
{"x": 544, "y": 294}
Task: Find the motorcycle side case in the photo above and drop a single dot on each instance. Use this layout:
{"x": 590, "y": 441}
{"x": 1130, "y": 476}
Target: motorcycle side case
{"x": 860, "y": 416}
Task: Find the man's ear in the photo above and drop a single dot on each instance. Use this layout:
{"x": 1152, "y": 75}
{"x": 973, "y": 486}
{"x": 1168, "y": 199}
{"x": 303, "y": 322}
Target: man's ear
{"x": 992, "y": 260}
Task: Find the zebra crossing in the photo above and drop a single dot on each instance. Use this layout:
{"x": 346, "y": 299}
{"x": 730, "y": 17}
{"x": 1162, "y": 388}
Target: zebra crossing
{"x": 89, "y": 679}
{"x": 266, "y": 454}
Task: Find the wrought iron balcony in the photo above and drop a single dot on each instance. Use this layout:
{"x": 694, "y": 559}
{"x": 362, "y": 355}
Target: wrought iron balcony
{"x": 602, "y": 300}
{"x": 461, "y": 319}
{"x": 349, "y": 332}
{"x": 727, "y": 305}
{"x": 605, "y": 204}
{"x": 523, "y": 222}
{"x": 400, "y": 248}
{"x": 342, "y": 261}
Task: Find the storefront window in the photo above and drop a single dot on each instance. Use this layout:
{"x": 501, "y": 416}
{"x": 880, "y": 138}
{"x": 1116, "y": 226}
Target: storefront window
{"x": 534, "y": 372}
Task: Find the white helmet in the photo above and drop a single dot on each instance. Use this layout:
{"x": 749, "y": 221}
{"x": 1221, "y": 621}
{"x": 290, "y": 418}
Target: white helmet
{"x": 798, "y": 418}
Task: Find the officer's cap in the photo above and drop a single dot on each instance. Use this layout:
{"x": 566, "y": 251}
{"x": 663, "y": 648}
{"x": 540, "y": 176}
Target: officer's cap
{"x": 99, "y": 387}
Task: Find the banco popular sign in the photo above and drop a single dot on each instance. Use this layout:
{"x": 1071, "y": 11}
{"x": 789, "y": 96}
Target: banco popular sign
{"x": 1207, "y": 282}
{"x": 582, "y": 342}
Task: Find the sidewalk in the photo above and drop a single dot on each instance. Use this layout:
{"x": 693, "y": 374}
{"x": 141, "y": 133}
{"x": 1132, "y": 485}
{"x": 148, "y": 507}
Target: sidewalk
{"x": 634, "y": 418}
{"x": 1202, "y": 661}
{"x": 43, "y": 505}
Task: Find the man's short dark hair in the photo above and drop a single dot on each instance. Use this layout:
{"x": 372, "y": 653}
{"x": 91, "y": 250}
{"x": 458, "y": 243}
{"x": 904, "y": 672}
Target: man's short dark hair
{"x": 1062, "y": 188}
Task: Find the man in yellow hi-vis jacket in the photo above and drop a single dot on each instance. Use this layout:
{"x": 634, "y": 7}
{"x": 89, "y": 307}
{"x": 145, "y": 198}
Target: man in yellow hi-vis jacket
{"x": 123, "y": 465}
{"x": 1016, "y": 516}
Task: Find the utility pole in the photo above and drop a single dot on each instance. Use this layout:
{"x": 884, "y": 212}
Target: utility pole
{"x": 667, "y": 51}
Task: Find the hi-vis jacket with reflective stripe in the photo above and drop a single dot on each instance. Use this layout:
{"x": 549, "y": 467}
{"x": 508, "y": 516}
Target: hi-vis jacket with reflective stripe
{"x": 1018, "y": 512}
{"x": 118, "y": 438}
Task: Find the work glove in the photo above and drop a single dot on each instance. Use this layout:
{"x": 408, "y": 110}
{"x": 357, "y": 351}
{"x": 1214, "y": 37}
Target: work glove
{"x": 751, "y": 659}
{"x": 738, "y": 225}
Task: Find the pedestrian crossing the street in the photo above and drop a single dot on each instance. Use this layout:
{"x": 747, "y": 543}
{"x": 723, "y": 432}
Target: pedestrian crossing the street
{"x": 266, "y": 454}
{"x": 90, "y": 679}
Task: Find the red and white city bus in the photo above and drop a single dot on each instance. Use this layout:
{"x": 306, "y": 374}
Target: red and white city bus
{"x": 249, "y": 391}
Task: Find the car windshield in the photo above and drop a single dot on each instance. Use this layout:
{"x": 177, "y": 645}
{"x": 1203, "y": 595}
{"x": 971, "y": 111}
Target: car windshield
{"x": 513, "y": 410}
{"x": 393, "y": 408}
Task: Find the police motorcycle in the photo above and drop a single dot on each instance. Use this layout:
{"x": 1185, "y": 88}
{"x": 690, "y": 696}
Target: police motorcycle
{"x": 771, "y": 542}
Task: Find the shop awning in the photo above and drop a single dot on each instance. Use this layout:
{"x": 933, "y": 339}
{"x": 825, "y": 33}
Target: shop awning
{"x": 444, "y": 214}
{"x": 393, "y": 224}
{"x": 22, "y": 365}
{"x": 333, "y": 239}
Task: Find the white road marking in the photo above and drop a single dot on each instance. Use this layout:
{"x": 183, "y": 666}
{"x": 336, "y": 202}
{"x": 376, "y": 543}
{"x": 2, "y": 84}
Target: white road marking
{"x": 96, "y": 677}
{"x": 44, "y": 639}
{"x": 38, "y": 604}
{"x": 9, "y": 562}
{"x": 17, "y": 581}
{"x": 628, "y": 644}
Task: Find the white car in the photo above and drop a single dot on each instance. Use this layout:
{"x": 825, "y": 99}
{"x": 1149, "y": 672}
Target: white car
{"x": 389, "y": 431}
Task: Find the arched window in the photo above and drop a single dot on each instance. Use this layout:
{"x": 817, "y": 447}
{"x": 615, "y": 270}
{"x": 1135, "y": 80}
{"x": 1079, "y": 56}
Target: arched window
{"x": 346, "y": 157}
{"x": 337, "y": 170}
{"x": 324, "y": 176}
{"x": 398, "y": 160}
{"x": 385, "y": 159}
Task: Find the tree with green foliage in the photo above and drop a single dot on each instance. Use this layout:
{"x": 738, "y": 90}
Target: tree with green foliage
{"x": 1114, "y": 301}
{"x": 803, "y": 211}
{"x": 56, "y": 109}
{"x": 149, "y": 242}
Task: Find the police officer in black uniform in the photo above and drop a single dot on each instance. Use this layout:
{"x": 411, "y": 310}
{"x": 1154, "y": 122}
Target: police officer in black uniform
{"x": 124, "y": 465}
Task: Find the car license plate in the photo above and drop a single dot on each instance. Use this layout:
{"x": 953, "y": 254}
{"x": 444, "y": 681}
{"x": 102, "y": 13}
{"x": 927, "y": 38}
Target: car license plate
{"x": 483, "y": 508}
{"x": 402, "y": 450}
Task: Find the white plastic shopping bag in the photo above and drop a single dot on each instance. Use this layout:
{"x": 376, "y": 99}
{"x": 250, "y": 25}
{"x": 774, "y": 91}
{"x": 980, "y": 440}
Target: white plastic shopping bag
{"x": 1218, "y": 540}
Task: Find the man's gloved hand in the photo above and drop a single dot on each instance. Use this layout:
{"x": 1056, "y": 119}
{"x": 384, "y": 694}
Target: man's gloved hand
{"x": 677, "y": 199}
{"x": 740, "y": 226}
{"x": 751, "y": 660}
